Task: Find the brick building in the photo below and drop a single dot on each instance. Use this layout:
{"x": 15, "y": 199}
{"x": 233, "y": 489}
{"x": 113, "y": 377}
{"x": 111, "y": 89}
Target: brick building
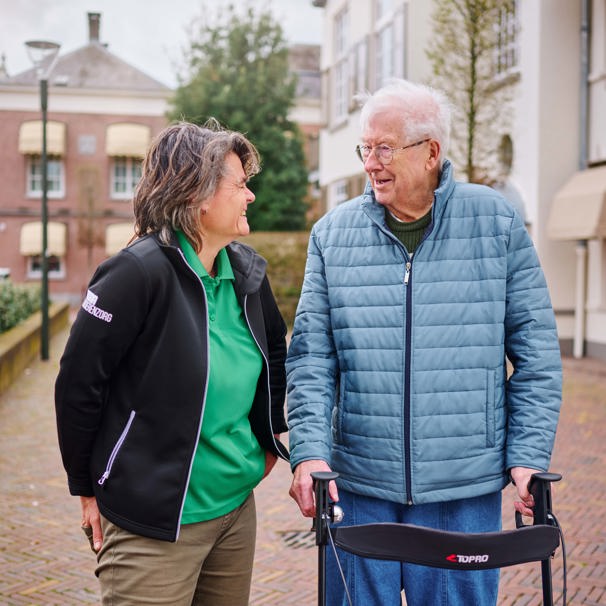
{"x": 102, "y": 114}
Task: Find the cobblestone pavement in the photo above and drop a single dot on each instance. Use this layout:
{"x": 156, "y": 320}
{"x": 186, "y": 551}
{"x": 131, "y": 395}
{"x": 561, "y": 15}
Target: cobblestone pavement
{"x": 45, "y": 559}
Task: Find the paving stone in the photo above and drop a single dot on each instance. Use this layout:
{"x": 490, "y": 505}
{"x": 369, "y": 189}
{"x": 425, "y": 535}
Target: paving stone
{"x": 45, "y": 558}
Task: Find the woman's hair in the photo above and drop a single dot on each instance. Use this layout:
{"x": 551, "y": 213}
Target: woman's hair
{"x": 425, "y": 111}
{"x": 183, "y": 167}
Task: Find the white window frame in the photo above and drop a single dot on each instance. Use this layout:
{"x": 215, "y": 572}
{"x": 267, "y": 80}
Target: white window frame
{"x": 341, "y": 80}
{"x": 382, "y": 8}
{"x": 338, "y": 192}
{"x": 56, "y": 267}
{"x": 507, "y": 53}
{"x": 127, "y": 181}
{"x": 390, "y": 47}
{"x": 55, "y": 172}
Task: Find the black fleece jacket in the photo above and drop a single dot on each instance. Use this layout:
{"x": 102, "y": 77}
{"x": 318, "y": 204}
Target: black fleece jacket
{"x": 131, "y": 387}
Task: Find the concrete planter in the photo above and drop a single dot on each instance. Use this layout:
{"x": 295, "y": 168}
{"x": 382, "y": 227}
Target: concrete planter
{"x": 21, "y": 344}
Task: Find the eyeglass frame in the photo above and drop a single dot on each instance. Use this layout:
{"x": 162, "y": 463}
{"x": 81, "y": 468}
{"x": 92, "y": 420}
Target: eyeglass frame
{"x": 384, "y": 148}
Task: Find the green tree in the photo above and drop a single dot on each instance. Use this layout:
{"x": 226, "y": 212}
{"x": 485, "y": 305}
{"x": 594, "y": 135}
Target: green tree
{"x": 237, "y": 72}
{"x": 465, "y": 53}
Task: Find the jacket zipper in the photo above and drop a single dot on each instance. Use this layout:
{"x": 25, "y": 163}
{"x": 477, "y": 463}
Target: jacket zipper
{"x": 408, "y": 367}
{"x": 116, "y": 449}
{"x": 193, "y": 454}
{"x": 407, "y": 360}
{"x": 407, "y": 371}
{"x": 271, "y": 428}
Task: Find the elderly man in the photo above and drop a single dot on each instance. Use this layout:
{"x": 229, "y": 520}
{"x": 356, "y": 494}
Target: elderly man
{"x": 415, "y": 294}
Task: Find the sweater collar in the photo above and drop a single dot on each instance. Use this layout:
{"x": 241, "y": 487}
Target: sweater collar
{"x": 441, "y": 195}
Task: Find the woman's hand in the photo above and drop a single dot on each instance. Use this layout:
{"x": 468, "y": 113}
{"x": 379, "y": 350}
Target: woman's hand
{"x": 92, "y": 519}
{"x": 270, "y": 461}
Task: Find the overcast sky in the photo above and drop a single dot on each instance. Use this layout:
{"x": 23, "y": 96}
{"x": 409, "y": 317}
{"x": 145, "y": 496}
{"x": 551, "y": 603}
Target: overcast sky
{"x": 149, "y": 34}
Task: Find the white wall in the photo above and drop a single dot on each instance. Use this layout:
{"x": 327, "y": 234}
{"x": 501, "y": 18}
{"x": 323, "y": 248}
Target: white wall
{"x": 84, "y": 102}
{"x": 546, "y": 141}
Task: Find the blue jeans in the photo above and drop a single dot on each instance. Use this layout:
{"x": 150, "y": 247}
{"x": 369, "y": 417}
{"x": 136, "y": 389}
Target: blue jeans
{"x": 380, "y": 583}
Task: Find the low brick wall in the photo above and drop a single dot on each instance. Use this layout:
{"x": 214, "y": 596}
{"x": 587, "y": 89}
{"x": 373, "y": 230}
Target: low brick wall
{"x": 21, "y": 344}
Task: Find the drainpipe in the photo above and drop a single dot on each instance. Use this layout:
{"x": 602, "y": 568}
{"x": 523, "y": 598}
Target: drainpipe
{"x": 581, "y": 248}
{"x": 579, "y": 306}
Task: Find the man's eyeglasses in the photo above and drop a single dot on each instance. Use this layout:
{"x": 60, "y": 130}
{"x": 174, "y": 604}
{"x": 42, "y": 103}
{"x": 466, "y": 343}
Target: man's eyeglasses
{"x": 383, "y": 153}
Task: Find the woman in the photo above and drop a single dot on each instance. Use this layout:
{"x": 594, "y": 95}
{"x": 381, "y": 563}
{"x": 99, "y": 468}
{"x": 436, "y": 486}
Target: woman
{"x": 170, "y": 391}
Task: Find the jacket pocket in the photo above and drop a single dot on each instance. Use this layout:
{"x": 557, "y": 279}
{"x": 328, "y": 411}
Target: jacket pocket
{"x": 337, "y": 411}
{"x": 116, "y": 449}
{"x": 490, "y": 408}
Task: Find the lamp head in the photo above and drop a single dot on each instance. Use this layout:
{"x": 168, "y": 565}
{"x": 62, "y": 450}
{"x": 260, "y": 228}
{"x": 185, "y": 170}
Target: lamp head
{"x": 43, "y": 55}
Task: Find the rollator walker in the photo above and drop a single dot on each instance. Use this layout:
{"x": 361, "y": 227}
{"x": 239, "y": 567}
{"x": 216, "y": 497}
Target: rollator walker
{"x": 443, "y": 549}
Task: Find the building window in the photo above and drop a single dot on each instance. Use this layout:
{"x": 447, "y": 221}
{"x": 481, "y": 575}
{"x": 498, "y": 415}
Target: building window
{"x": 56, "y": 268}
{"x": 389, "y": 45}
{"x": 55, "y": 178}
{"x": 384, "y": 54}
{"x": 126, "y": 173}
{"x": 506, "y": 50}
{"x": 360, "y": 70}
{"x": 341, "y": 69}
{"x": 383, "y": 7}
{"x": 338, "y": 193}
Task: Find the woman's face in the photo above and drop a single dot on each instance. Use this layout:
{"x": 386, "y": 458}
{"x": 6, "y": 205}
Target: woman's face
{"x": 224, "y": 215}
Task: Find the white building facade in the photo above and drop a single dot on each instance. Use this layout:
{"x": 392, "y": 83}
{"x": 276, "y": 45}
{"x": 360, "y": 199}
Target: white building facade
{"x": 555, "y": 53}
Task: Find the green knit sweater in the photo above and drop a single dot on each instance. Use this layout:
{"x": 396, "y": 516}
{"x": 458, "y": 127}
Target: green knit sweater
{"x": 409, "y": 233}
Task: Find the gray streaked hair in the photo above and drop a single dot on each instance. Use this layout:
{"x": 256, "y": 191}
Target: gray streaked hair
{"x": 183, "y": 167}
{"x": 425, "y": 111}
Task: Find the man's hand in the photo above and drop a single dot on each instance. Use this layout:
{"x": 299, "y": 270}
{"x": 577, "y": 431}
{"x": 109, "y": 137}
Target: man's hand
{"x": 521, "y": 477}
{"x": 302, "y": 487}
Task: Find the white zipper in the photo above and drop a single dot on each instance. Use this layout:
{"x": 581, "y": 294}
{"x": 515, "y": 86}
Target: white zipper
{"x": 271, "y": 428}
{"x": 191, "y": 462}
{"x": 116, "y": 449}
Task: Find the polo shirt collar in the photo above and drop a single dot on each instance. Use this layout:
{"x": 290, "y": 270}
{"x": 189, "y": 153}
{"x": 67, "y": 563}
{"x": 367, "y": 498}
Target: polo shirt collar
{"x": 224, "y": 270}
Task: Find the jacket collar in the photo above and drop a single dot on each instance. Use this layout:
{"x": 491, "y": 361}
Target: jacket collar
{"x": 248, "y": 266}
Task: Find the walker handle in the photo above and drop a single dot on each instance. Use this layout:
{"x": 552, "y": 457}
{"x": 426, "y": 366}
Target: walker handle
{"x": 323, "y": 505}
{"x": 540, "y": 488}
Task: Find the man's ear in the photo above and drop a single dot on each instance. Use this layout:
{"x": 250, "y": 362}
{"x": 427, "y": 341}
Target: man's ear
{"x": 433, "y": 156}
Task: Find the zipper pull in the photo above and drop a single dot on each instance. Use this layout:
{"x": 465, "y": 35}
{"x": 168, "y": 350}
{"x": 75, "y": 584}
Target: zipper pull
{"x": 407, "y": 274}
{"x": 102, "y": 479}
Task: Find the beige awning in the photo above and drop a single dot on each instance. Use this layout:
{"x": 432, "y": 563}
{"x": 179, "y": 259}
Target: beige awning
{"x": 578, "y": 211}
{"x": 31, "y": 238}
{"x": 127, "y": 139}
{"x": 30, "y": 138}
{"x": 117, "y": 236}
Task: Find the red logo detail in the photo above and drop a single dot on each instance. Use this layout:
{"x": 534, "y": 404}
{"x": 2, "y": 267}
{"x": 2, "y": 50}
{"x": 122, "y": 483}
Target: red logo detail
{"x": 452, "y": 557}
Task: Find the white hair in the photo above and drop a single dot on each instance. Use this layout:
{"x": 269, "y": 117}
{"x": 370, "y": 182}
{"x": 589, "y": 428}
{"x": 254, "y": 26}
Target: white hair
{"x": 425, "y": 111}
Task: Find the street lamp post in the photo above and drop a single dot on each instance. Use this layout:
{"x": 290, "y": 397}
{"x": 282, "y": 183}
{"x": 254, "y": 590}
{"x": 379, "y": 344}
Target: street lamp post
{"x": 43, "y": 55}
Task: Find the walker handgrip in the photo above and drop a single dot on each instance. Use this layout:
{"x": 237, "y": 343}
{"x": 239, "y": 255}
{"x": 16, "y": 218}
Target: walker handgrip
{"x": 321, "y": 480}
{"x": 539, "y": 487}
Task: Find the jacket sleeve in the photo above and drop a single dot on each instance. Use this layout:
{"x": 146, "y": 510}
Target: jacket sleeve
{"x": 534, "y": 389}
{"x": 106, "y": 324}
{"x": 311, "y": 366}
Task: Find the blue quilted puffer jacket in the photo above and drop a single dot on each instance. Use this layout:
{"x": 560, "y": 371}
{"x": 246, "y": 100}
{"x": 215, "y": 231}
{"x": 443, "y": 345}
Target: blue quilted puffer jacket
{"x": 397, "y": 373}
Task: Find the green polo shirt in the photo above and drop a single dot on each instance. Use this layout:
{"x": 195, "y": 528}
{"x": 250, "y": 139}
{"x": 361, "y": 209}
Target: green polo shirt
{"x": 228, "y": 462}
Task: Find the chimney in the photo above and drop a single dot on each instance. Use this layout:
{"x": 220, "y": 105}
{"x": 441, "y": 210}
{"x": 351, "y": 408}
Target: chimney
{"x": 94, "y": 25}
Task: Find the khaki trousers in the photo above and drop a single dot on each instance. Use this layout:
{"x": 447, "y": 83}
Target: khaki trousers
{"x": 210, "y": 564}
